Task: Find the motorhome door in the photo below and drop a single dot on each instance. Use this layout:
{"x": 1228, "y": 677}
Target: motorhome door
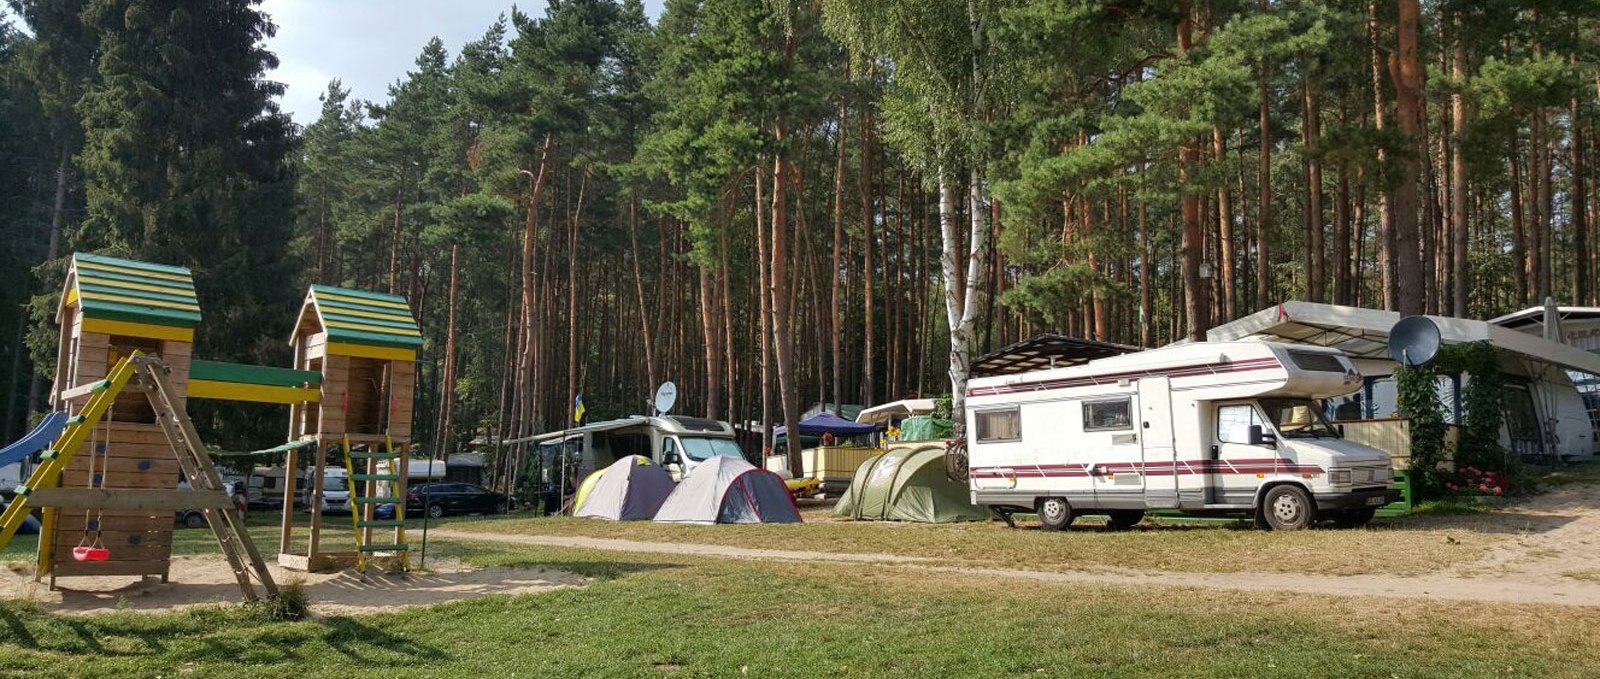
{"x": 1156, "y": 438}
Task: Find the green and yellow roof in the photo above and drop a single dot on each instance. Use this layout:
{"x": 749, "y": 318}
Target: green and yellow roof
{"x": 124, "y": 297}
{"x": 362, "y": 323}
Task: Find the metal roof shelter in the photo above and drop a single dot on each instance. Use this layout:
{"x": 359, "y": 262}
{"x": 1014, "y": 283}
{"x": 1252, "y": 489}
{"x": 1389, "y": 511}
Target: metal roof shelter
{"x": 1364, "y": 333}
{"x": 1534, "y": 315}
{"x": 1045, "y": 351}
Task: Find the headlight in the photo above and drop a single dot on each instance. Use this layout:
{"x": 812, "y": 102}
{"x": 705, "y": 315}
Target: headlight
{"x": 1339, "y": 477}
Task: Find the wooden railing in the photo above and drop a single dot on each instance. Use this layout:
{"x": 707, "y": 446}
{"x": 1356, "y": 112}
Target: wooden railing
{"x": 1393, "y": 436}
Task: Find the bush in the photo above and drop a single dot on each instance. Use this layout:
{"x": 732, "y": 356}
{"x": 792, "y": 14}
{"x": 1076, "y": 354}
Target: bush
{"x": 289, "y": 604}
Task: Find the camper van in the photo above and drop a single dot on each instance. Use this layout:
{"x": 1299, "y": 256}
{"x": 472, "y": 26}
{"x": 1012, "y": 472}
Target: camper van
{"x": 676, "y": 442}
{"x": 1231, "y": 428}
{"x": 335, "y": 489}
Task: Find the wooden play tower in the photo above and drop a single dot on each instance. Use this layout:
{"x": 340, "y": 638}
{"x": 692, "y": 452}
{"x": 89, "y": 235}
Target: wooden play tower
{"x": 364, "y": 346}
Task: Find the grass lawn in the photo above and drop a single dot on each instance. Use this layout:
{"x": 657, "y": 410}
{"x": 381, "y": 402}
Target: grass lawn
{"x": 648, "y": 616}
{"x": 1410, "y": 545}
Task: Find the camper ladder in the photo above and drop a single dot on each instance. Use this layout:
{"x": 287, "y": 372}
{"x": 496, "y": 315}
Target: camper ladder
{"x": 230, "y": 530}
{"x": 364, "y": 503}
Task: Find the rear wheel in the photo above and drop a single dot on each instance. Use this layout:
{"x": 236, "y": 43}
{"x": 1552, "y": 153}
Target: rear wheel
{"x": 1123, "y": 519}
{"x": 502, "y": 507}
{"x": 1354, "y": 518}
{"x": 1054, "y": 513}
{"x": 1288, "y": 508}
{"x": 194, "y": 520}
{"x": 435, "y": 511}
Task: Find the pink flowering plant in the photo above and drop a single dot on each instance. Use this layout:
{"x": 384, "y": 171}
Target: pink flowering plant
{"x": 1476, "y": 481}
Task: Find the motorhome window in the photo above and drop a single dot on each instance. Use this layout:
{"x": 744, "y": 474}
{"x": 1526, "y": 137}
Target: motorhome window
{"x": 999, "y": 425}
{"x": 1234, "y": 422}
{"x": 703, "y": 449}
{"x": 1298, "y": 418}
{"x": 1108, "y": 415}
{"x": 1316, "y": 362}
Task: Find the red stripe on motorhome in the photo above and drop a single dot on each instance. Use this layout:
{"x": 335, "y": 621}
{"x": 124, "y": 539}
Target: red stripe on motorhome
{"x": 1222, "y": 368}
{"x": 1187, "y": 468}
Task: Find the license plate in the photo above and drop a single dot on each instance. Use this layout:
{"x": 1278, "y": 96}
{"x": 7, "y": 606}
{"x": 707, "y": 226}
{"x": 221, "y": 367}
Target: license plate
{"x": 1375, "y": 501}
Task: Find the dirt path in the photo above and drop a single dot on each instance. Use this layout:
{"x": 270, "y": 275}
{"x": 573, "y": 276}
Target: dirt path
{"x": 202, "y": 580}
{"x": 1553, "y": 558}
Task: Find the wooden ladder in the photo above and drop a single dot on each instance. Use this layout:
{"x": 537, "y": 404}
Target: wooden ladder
{"x": 231, "y": 533}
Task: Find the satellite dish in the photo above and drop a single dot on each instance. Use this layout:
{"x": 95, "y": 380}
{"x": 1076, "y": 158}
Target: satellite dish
{"x": 666, "y": 397}
{"x": 1414, "y": 340}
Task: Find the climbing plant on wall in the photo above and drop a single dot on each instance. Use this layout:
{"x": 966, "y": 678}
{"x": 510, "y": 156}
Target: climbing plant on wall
{"x": 1478, "y": 444}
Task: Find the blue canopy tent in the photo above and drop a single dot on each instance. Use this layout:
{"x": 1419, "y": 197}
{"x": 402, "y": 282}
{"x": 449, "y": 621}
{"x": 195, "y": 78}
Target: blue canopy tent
{"x": 829, "y": 423}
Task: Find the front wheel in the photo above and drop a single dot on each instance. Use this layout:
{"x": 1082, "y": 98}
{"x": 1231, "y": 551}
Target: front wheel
{"x": 1123, "y": 519}
{"x": 1054, "y": 513}
{"x": 1288, "y": 508}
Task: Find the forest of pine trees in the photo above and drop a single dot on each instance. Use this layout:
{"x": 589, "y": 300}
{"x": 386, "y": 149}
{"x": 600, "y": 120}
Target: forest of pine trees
{"x": 776, "y": 203}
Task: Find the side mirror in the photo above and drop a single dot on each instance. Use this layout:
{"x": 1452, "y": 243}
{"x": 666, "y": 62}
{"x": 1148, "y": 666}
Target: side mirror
{"x": 670, "y": 457}
{"x": 1259, "y": 436}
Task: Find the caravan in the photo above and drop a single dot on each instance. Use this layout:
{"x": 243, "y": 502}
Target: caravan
{"x": 1205, "y": 428}
{"x": 676, "y": 442}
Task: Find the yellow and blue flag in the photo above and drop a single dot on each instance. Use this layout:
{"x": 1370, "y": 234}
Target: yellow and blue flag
{"x": 577, "y": 409}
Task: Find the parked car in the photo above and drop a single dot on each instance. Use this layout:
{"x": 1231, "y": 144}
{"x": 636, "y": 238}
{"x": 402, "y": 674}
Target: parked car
{"x": 441, "y": 499}
{"x": 190, "y": 518}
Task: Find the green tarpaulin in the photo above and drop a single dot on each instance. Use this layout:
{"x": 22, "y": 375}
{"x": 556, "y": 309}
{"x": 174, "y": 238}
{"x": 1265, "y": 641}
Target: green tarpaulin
{"x": 907, "y": 483}
{"x": 926, "y": 428}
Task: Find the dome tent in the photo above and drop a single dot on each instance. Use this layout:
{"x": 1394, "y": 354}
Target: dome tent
{"x": 631, "y": 488}
{"x": 907, "y": 483}
{"x": 729, "y": 490}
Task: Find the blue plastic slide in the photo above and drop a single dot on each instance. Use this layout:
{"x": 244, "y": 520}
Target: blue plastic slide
{"x": 36, "y": 440}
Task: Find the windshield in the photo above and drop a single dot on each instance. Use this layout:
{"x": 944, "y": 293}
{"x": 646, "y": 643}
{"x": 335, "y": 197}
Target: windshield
{"x": 1297, "y": 418}
{"x": 333, "y": 484}
{"x": 701, "y": 448}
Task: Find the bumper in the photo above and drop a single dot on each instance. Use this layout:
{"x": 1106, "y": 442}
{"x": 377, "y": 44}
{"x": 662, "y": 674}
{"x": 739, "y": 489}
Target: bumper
{"x": 1360, "y": 498}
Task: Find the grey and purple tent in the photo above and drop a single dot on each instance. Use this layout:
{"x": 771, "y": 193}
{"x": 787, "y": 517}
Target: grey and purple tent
{"x": 632, "y": 488}
{"x": 729, "y": 490}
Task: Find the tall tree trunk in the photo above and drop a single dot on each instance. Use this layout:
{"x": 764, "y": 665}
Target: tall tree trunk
{"x": 1263, "y": 189}
{"x": 1580, "y": 208}
{"x": 836, "y": 323}
{"x": 1409, "y": 114}
{"x": 1386, "y": 226}
{"x": 782, "y": 339}
{"x": 1341, "y": 239}
{"x": 645, "y": 336}
{"x": 1194, "y": 293}
{"x": 1146, "y": 286}
{"x": 1519, "y": 228}
{"x": 1225, "y": 231}
{"x": 764, "y": 270}
{"x": 1458, "y": 176}
{"x": 1316, "y": 254}
{"x": 869, "y": 320}
{"x": 528, "y": 344}
{"x": 447, "y": 390}
{"x": 713, "y": 353}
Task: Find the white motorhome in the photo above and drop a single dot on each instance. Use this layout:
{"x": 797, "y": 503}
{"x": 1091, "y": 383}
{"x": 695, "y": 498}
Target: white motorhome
{"x": 676, "y": 442}
{"x": 1205, "y": 428}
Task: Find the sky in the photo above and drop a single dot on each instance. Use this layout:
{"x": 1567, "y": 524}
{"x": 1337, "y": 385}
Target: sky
{"x": 369, "y": 44}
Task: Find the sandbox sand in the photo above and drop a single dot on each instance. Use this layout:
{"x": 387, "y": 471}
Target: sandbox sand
{"x": 206, "y": 580}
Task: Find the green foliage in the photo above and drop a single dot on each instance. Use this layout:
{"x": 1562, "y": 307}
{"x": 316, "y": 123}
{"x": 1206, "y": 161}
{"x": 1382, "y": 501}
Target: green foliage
{"x": 290, "y": 603}
{"x": 1418, "y": 398}
{"x": 1478, "y": 444}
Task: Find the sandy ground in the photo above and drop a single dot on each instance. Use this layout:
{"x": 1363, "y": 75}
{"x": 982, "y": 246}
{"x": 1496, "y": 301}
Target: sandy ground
{"x": 1553, "y": 557}
{"x": 202, "y": 580}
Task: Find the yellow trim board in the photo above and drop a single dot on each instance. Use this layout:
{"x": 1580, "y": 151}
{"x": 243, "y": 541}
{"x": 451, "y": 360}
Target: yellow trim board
{"x": 397, "y": 315}
{"x": 125, "y": 285}
{"x": 255, "y": 393}
{"x": 163, "y": 332}
{"x": 364, "y": 351}
{"x": 72, "y": 296}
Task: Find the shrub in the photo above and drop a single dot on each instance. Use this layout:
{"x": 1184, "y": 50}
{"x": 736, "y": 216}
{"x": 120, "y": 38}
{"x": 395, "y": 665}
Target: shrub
{"x": 290, "y": 603}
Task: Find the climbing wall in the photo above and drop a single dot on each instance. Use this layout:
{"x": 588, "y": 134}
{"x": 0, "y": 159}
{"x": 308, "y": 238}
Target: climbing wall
{"x": 127, "y": 450}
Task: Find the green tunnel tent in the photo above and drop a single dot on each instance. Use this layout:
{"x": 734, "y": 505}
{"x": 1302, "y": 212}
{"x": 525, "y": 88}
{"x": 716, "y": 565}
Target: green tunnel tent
{"x": 907, "y": 483}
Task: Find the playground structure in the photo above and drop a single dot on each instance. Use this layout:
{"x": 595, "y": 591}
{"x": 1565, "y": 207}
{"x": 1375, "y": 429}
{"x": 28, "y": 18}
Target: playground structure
{"x": 123, "y": 440}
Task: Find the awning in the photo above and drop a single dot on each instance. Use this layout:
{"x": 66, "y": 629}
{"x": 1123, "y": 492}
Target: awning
{"x": 828, "y": 423}
{"x": 1364, "y": 333}
{"x": 880, "y": 414}
{"x": 1042, "y": 352}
